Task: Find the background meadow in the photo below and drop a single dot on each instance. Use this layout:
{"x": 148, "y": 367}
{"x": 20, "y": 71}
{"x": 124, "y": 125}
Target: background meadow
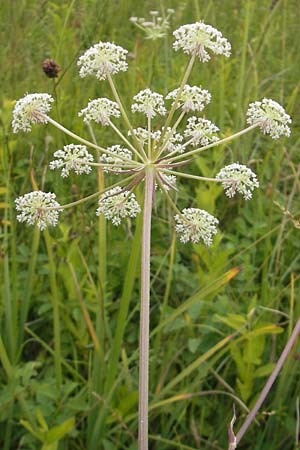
{"x": 219, "y": 316}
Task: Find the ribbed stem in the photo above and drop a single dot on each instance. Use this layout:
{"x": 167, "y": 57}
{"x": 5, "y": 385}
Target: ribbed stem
{"x": 145, "y": 313}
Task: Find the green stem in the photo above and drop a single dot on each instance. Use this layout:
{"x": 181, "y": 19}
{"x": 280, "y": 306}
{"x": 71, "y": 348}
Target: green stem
{"x": 88, "y": 143}
{"x": 55, "y": 306}
{"x": 145, "y": 313}
{"x": 123, "y": 112}
{"x": 116, "y": 129}
{"x": 213, "y": 144}
{"x": 193, "y": 177}
{"x": 170, "y": 133}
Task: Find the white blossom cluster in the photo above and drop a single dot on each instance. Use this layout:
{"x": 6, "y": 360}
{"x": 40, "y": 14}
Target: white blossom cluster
{"x": 201, "y": 131}
{"x": 238, "y": 179}
{"x": 270, "y": 116}
{"x": 115, "y": 161}
{"x": 72, "y": 157}
{"x": 195, "y": 38}
{"x": 169, "y": 181}
{"x": 149, "y": 103}
{"x": 29, "y": 110}
{"x": 103, "y": 59}
{"x": 192, "y": 98}
{"x": 117, "y": 204}
{"x": 157, "y": 27}
{"x": 31, "y": 209}
{"x": 100, "y": 110}
{"x": 196, "y": 224}
{"x": 142, "y": 135}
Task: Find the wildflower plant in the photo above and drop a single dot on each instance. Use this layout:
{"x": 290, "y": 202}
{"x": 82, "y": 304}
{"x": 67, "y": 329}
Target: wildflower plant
{"x": 150, "y": 155}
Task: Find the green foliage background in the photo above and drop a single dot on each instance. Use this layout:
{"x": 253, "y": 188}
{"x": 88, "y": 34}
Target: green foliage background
{"x": 220, "y": 316}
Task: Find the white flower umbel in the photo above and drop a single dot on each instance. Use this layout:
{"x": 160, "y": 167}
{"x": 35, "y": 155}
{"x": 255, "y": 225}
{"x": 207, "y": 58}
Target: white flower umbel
{"x": 201, "y": 131}
{"x": 29, "y": 110}
{"x": 196, "y": 224}
{"x": 238, "y": 179}
{"x": 174, "y": 143}
{"x": 169, "y": 181}
{"x": 142, "y": 135}
{"x": 149, "y": 103}
{"x": 192, "y": 98}
{"x": 195, "y": 38}
{"x": 100, "y": 110}
{"x": 72, "y": 157}
{"x": 102, "y": 59}
{"x": 155, "y": 29}
{"x": 30, "y": 207}
{"x": 116, "y": 162}
{"x": 270, "y": 116}
{"x": 116, "y": 205}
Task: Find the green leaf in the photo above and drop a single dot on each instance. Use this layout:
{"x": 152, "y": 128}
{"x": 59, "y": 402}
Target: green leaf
{"x": 264, "y": 370}
{"x": 58, "y": 432}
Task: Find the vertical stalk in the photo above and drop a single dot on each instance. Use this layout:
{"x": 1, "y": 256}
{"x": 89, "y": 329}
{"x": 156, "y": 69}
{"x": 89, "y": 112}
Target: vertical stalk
{"x": 55, "y": 306}
{"x": 145, "y": 312}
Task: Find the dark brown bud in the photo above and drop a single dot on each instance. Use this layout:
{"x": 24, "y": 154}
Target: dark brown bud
{"x": 50, "y": 68}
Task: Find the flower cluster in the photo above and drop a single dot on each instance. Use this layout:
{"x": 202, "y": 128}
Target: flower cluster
{"x": 100, "y": 110}
{"x": 237, "y": 178}
{"x": 192, "y": 98}
{"x": 32, "y": 209}
{"x": 116, "y": 162}
{"x": 157, "y": 27}
{"x": 201, "y": 131}
{"x": 270, "y": 116}
{"x": 72, "y": 157}
{"x": 196, "y": 37}
{"x": 117, "y": 204}
{"x": 196, "y": 224}
{"x": 149, "y": 103}
{"x": 29, "y": 110}
{"x": 142, "y": 135}
{"x": 103, "y": 59}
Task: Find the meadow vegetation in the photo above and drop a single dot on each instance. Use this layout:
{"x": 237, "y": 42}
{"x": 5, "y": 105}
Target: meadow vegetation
{"x": 220, "y": 316}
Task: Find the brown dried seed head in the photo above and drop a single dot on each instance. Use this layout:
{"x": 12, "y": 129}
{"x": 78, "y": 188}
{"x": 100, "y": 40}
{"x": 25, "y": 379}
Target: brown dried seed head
{"x": 50, "y": 68}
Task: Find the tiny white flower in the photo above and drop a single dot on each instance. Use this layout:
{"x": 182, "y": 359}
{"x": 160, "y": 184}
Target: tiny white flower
{"x": 201, "y": 131}
{"x": 169, "y": 181}
{"x": 29, "y": 110}
{"x": 31, "y": 209}
{"x": 149, "y": 103}
{"x": 192, "y": 98}
{"x": 155, "y": 29}
{"x": 270, "y": 116}
{"x": 196, "y": 37}
{"x": 196, "y": 224}
{"x": 142, "y": 135}
{"x": 103, "y": 59}
{"x": 174, "y": 143}
{"x": 100, "y": 110}
{"x": 116, "y": 205}
{"x": 72, "y": 157}
{"x": 237, "y": 178}
{"x": 116, "y": 162}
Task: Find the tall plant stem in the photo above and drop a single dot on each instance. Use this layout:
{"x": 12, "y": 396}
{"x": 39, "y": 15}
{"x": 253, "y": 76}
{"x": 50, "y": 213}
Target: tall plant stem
{"x": 145, "y": 312}
{"x": 269, "y": 383}
{"x": 55, "y": 306}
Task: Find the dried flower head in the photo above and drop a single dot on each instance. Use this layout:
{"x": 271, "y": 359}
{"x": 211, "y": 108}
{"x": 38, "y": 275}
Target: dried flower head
{"x": 103, "y": 59}
{"x": 238, "y": 179}
{"x": 100, "y": 110}
{"x": 196, "y": 37}
{"x": 149, "y": 103}
{"x": 50, "y": 68}
{"x": 270, "y": 116}
{"x": 116, "y": 205}
{"x": 31, "y": 207}
{"x": 72, "y": 157}
{"x": 192, "y": 98}
{"x": 29, "y": 110}
{"x": 116, "y": 162}
{"x": 156, "y": 28}
{"x": 196, "y": 224}
{"x": 201, "y": 131}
